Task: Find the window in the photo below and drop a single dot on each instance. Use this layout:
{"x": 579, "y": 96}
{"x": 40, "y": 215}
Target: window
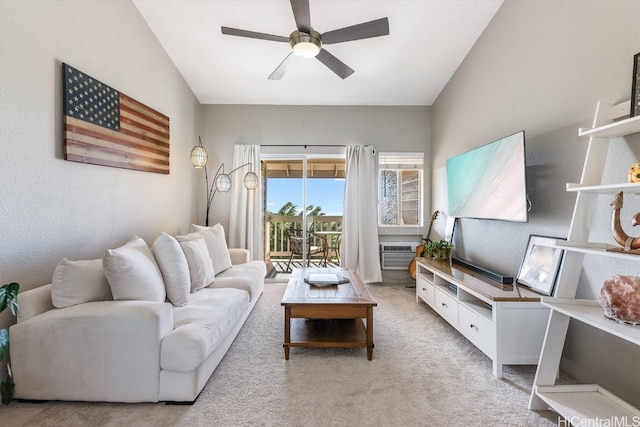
{"x": 400, "y": 189}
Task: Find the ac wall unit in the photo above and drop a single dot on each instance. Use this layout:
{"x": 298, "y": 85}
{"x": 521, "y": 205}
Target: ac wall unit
{"x": 397, "y": 255}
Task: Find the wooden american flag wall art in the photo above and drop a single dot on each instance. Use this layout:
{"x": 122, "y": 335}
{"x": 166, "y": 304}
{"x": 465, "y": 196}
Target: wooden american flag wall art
{"x": 105, "y": 127}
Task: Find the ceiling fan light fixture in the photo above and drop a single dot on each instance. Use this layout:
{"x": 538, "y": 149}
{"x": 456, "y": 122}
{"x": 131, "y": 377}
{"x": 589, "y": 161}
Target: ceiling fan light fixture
{"x": 306, "y": 45}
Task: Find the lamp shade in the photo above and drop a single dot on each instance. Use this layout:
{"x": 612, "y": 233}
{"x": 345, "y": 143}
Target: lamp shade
{"x": 199, "y": 156}
{"x": 223, "y": 183}
{"x": 251, "y": 181}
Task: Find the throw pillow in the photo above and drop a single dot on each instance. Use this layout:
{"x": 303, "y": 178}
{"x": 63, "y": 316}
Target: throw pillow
{"x": 216, "y": 243}
{"x": 132, "y": 272}
{"x": 174, "y": 268}
{"x": 200, "y": 266}
{"x": 77, "y": 282}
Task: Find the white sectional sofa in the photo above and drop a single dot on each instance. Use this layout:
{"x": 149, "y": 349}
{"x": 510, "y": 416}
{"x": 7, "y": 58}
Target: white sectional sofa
{"x": 139, "y": 325}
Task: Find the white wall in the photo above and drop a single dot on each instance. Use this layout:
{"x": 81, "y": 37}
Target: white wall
{"x": 541, "y": 66}
{"x": 51, "y": 208}
{"x": 386, "y": 128}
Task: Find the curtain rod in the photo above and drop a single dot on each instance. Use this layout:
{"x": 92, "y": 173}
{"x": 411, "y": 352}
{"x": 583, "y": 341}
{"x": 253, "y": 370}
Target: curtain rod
{"x": 308, "y": 145}
{"x": 314, "y": 145}
{"x": 302, "y": 145}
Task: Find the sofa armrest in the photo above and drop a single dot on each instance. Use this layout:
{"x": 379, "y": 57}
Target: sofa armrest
{"x": 96, "y": 351}
{"x": 34, "y": 302}
{"x": 239, "y": 256}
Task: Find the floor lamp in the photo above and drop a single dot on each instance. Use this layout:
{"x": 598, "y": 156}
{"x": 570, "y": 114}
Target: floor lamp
{"x": 221, "y": 180}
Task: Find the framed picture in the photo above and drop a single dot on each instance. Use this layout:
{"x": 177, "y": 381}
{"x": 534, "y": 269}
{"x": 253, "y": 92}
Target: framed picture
{"x": 635, "y": 86}
{"x": 540, "y": 264}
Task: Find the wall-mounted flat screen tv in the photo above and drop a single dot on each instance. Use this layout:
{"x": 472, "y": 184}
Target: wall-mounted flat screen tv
{"x": 489, "y": 182}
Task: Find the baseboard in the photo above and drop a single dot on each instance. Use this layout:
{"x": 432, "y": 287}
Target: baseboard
{"x": 493, "y": 275}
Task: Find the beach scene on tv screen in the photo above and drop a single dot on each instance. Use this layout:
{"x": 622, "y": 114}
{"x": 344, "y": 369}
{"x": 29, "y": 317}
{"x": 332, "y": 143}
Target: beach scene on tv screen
{"x": 489, "y": 181}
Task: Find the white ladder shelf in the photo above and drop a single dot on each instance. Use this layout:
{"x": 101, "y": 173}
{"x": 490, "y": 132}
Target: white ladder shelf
{"x": 583, "y": 403}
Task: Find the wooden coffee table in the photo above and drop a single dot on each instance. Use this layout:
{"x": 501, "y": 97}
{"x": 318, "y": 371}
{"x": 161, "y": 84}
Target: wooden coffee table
{"x": 330, "y": 316}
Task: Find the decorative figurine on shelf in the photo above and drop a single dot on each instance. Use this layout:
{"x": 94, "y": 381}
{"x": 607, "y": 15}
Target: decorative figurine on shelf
{"x": 629, "y": 244}
{"x": 634, "y": 173}
{"x": 620, "y": 299}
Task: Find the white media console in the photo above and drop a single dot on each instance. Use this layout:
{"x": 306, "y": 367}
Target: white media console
{"x": 505, "y": 321}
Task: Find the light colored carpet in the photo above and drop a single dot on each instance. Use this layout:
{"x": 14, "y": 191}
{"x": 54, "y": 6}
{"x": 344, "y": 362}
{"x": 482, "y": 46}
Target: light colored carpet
{"x": 423, "y": 373}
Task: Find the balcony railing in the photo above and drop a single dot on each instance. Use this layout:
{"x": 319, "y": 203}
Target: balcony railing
{"x": 276, "y": 240}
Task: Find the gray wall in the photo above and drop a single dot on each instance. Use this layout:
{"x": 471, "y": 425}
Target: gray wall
{"x": 386, "y": 128}
{"x": 541, "y": 66}
{"x": 51, "y": 208}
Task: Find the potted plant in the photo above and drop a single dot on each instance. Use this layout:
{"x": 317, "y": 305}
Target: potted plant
{"x": 8, "y": 298}
{"x": 437, "y": 249}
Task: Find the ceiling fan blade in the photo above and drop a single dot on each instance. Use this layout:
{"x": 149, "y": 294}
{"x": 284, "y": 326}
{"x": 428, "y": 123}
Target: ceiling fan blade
{"x": 283, "y": 67}
{"x": 302, "y": 15}
{"x": 366, "y": 30}
{"x": 334, "y": 64}
{"x": 253, "y": 34}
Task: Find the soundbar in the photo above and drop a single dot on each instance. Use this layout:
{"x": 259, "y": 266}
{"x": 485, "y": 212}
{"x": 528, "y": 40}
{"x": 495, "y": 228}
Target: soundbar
{"x": 493, "y": 275}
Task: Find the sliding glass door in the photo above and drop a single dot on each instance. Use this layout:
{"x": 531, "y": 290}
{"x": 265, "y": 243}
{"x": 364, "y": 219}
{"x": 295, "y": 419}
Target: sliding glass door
{"x": 303, "y": 211}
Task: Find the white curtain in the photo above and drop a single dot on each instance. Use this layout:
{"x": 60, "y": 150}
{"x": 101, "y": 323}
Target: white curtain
{"x": 245, "y": 220}
{"x": 360, "y": 223}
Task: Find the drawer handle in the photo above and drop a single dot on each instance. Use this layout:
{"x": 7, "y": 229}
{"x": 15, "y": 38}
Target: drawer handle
{"x": 424, "y": 289}
{"x": 472, "y": 326}
{"x": 444, "y": 305}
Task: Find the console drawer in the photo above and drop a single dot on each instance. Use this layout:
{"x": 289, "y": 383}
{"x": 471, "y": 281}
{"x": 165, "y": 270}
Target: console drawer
{"x": 425, "y": 290}
{"x": 447, "y": 306}
{"x": 478, "y": 330}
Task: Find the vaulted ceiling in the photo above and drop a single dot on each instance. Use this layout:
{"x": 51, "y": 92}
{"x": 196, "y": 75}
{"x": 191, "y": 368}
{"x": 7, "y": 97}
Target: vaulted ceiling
{"x": 427, "y": 41}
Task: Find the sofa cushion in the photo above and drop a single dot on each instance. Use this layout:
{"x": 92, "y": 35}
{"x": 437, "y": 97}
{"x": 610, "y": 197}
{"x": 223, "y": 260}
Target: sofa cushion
{"x": 174, "y": 268}
{"x": 217, "y": 245}
{"x": 200, "y": 326}
{"x": 200, "y": 266}
{"x": 248, "y": 277}
{"x": 239, "y": 256}
{"x": 77, "y": 282}
{"x": 132, "y": 272}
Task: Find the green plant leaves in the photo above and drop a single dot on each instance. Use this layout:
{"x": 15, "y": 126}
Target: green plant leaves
{"x": 4, "y": 342}
{"x": 7, "y": 388}
{"x": 440, "y": 249}
{"x": 8, "y": 297}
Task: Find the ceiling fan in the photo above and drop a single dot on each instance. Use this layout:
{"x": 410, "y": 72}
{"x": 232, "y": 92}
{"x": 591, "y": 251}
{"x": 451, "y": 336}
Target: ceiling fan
{"x": 307, "y": 42}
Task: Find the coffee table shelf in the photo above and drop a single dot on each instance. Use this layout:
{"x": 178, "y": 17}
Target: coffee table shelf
{"x": 328, "y": 333}
{"x": 336, "y": 316}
